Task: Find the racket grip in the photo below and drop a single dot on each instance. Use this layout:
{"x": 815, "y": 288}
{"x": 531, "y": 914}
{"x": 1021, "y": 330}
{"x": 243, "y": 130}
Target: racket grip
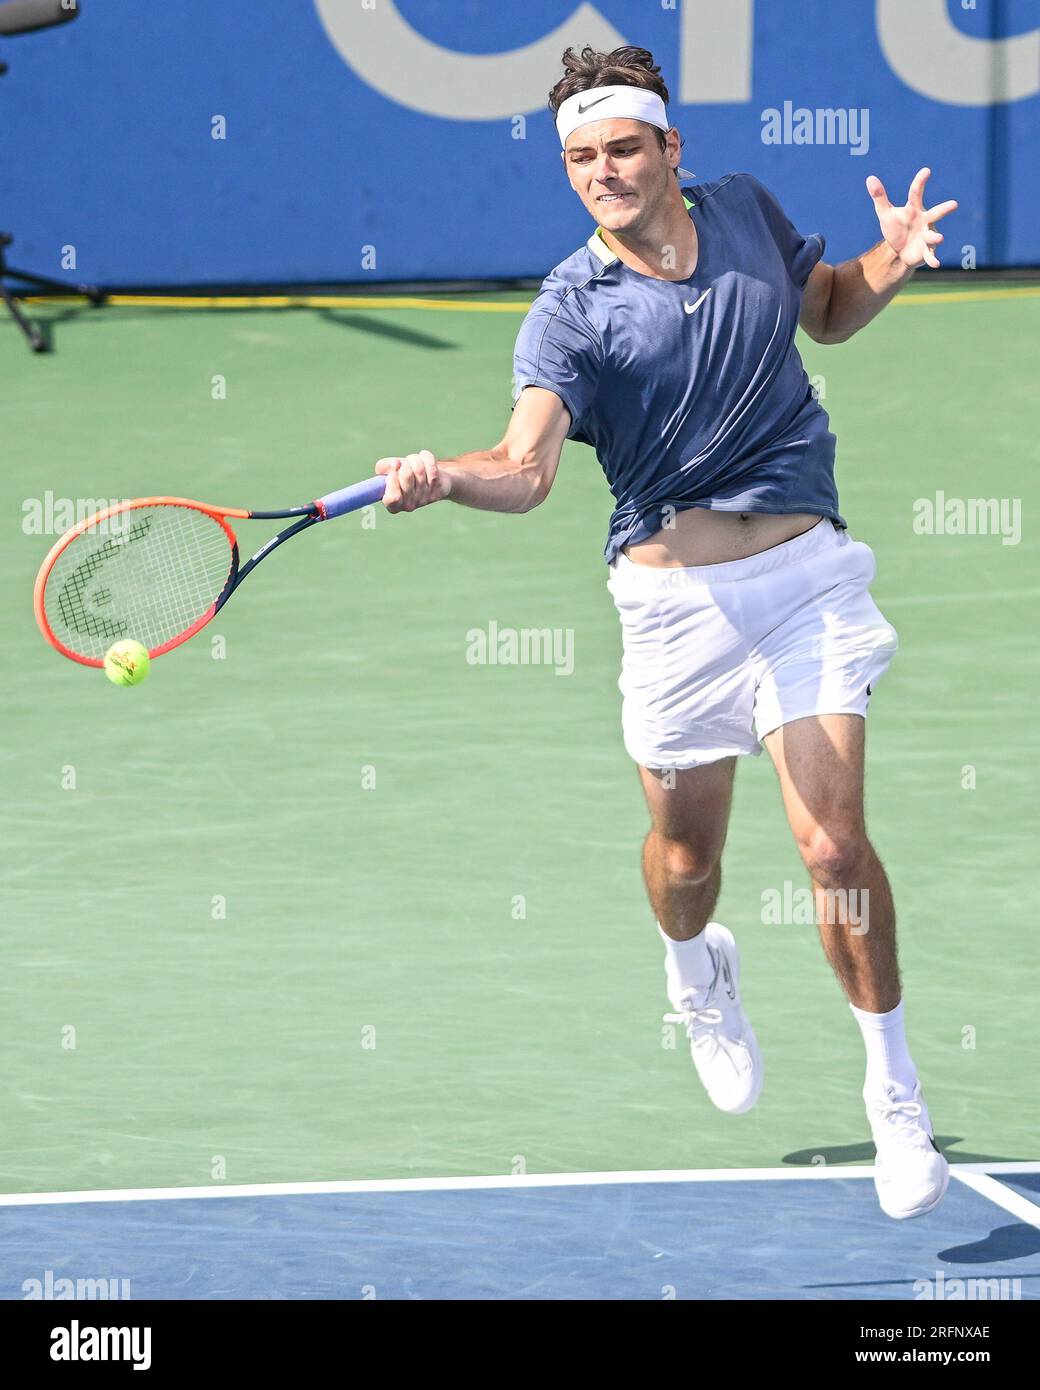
{"x": 349, "y": 499}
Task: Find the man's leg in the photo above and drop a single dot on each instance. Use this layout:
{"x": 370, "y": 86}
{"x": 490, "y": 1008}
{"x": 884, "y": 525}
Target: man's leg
{"x": 819, "y": 761}
{"x": 689, "y": 811}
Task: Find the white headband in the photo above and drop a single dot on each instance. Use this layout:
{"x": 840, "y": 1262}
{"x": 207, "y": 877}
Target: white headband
{"x": 609, "y": 103}
{"x": 603, "y": 103}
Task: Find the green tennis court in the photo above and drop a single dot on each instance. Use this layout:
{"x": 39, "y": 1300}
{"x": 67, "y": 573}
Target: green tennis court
{"x": 325, "y": 899}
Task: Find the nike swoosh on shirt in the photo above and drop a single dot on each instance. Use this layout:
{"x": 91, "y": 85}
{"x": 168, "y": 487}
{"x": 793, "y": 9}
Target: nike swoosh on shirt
{"x": 690, "y": 307}
{"x": 589, "y": 105}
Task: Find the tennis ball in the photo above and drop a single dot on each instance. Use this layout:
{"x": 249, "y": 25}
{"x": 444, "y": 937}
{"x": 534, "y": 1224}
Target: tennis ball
{"x": 126, "y": 663}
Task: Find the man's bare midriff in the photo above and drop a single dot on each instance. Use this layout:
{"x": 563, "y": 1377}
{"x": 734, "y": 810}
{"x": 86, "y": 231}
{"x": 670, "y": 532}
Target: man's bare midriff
{"x": 702, "y": 537}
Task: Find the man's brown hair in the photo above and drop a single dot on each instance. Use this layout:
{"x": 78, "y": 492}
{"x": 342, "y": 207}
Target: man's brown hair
{"x": 624, "y": 67}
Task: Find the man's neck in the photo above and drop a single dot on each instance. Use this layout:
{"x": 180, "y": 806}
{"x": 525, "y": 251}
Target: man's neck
{"x": 668, "y": 250}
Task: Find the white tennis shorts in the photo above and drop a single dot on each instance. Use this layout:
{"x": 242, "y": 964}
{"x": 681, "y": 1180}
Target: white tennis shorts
{"x": 717, "y": 657}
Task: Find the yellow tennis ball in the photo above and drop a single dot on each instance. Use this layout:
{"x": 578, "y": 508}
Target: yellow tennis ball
{"x": 127, "y": 663}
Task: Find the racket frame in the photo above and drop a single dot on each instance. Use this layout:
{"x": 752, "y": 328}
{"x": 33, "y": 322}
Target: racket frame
{"x": 308, "y": 516}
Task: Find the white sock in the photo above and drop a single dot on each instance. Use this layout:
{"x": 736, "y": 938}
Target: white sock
{"x": 888, "y": 1061}
{"x": 688, "y": 964}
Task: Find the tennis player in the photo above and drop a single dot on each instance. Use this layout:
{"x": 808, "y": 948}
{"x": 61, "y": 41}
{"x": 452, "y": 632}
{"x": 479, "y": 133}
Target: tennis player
{"x": 667, "y": 343}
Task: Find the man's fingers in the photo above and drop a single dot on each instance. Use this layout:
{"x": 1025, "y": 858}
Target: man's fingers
{"x": 425, "y": 468}
{"x": 933, "y": 238}
{"x": 876, "y": 189}
{"x": 415, "y": 485}
{"x": 940, "y": 210}
{"x": 392, "y": 495}
{"x": 406, "y": 482}
{"x": 916, "y": 195}
{"x": 412, "y": 481}
{"x": 425, "y": 472}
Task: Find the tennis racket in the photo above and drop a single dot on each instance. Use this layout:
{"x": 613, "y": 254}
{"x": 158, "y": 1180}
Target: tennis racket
{"x": 158, "y": 569}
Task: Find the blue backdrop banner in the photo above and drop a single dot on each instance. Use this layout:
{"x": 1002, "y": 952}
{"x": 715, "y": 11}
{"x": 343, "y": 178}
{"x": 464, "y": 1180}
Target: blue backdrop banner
{"x": 250, "y": 141}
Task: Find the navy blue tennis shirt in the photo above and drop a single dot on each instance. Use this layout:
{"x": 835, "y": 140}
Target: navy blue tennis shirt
{"x": 691, "y": 391}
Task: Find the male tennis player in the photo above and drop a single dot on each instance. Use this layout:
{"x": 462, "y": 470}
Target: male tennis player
{"x": 667, "y": 343}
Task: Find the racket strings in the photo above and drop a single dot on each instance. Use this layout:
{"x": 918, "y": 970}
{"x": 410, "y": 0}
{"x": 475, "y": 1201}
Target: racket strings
{"x": 157, "y": 572}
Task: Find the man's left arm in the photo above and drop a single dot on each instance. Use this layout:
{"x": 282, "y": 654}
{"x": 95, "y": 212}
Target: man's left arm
{"x": 839, "y": 300}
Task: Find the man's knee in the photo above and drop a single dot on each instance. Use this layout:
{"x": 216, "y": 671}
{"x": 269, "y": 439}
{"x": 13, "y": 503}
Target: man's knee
{"x": 835, "y": 858}
{"x": 686, "y": 862}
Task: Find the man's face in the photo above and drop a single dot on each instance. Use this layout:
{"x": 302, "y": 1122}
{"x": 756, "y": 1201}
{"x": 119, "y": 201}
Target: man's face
{"x": 619, "y": 171}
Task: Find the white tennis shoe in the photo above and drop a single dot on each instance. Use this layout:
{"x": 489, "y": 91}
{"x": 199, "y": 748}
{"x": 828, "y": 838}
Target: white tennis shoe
{"x": 910, "y": 1174}
{"x": 722, "y": 1044}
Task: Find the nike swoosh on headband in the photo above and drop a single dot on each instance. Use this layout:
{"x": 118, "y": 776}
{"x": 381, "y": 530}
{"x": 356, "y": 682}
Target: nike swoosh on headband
{"x": 583, "y": 109}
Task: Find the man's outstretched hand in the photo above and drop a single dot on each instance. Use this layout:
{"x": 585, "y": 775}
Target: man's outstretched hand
{"x": 910, "y": 230}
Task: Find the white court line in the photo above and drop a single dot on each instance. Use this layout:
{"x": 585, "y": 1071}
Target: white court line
{"x": 307, "y": 1189}
{"x": 1003, "y": 1196}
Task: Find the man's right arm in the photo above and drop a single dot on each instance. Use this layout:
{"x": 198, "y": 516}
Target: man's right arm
{"x": 514, "y": 476}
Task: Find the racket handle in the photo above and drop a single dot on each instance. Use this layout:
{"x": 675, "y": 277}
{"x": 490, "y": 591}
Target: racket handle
{"x": 349, "y": 499}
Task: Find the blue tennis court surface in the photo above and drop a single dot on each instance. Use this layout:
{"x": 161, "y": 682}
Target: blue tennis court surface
{"x": 590, "y": 1236}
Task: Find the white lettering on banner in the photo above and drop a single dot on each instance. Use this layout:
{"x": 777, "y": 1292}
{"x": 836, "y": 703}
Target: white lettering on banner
{"x": 715, "y": 58}
{"x": 921, "y": 43}
{"x": 391, "y": 56}
{"x": 927, "y": 51}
